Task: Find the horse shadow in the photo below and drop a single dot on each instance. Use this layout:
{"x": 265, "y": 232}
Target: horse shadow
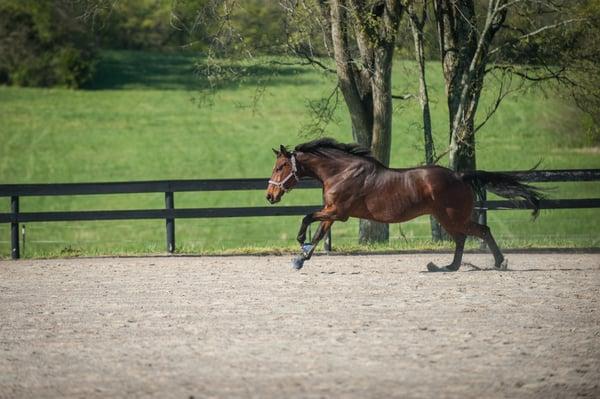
{"x": 475, "y": 268}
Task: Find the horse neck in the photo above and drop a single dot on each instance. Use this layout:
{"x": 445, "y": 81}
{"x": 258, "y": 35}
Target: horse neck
{"x": 321, "y": 167}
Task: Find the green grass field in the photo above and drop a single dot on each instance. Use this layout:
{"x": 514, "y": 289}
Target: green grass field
{"x": 145, "y": 118}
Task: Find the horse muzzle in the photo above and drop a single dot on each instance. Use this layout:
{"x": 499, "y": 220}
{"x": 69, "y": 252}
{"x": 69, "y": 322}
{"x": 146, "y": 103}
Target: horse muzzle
{"x": 273, "y": 199}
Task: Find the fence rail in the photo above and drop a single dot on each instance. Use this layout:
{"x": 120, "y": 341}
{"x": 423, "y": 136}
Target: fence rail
{"x": 170, "y": 213}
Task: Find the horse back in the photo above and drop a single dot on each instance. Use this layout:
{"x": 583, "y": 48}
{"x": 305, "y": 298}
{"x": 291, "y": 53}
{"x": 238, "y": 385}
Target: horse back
{"x": 403, "y": 194}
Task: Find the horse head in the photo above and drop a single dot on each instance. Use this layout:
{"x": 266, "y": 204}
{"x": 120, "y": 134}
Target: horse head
{"x": 284, "y": 176}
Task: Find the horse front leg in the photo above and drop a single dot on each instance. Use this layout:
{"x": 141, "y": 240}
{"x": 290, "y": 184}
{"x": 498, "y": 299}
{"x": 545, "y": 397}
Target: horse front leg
{"x": 326, "y": 216}
{"x": 306, "y": 221}
{"x": 309, "y": 249}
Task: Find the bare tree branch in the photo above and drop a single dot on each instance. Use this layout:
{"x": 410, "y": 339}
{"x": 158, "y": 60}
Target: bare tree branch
{"x": 503, "y": 91}
{"x": 308, "y": 62}
{"x": 536, "y": 32}
{"x": 442, "y": 155}
{"x": 406, "y": 96}
{"x": 322, "y": 113}
{"x": 313, "y": 61}
{"x": 549, "y": 75}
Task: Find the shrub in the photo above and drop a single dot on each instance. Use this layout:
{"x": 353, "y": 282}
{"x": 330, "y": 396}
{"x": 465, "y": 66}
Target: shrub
{"x": 43, "y": 43}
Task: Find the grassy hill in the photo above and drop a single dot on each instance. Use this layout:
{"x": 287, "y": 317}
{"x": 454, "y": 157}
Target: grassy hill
{"x": 146, "y": 117}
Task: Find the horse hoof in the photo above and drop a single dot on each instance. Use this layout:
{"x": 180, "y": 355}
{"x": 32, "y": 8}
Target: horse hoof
{"x": 432, "y": 267}
{"x": 503, "y": 265}
{"x": 298, "y": 262}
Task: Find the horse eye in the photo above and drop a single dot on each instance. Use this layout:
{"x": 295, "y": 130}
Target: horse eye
{"x": 279, "y": 168}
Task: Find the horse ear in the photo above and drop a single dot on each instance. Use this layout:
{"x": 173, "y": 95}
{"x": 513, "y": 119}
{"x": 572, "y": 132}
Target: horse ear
{"x": 284, "y": 151}
{"x": 276, "y": 152}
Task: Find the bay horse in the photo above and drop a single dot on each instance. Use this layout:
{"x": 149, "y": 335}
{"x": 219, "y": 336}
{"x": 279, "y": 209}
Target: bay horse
{"x": 355, "y": 184}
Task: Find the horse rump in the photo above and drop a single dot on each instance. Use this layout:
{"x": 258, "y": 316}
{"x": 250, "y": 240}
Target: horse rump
{"x": 506, "y": 186}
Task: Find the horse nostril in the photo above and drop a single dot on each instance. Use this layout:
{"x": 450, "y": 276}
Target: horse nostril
{"x": 269, "y": 198}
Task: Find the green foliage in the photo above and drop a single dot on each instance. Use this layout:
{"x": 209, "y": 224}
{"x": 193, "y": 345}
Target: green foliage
{"x": 42, "y": 43}
{"x": 245, "y": 29}
{"x": 136, "y": 24}
{"x": 72, "y": 67}
{"x": 583, "y": 55}
{"x": 261, "y": 25}
{"x": 205, "y": 25}
{"x": 568, "y": 54}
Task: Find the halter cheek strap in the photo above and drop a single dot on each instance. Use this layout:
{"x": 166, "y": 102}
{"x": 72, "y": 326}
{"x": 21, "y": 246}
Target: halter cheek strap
{"x": 294, "y": 174}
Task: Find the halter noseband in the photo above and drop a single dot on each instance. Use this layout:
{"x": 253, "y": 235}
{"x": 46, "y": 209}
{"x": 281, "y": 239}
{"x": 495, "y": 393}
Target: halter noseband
{"x": 293, "y": 173}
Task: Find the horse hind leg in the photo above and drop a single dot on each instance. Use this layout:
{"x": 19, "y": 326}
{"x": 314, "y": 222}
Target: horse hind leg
{"x": 483, "y": 232}
{"x": 454, "y": 222}
{"x": 459, "y": 240}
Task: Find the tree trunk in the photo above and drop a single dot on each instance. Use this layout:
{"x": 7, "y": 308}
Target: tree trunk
{"x": 458, "y": 44}
{"x": 381, "y": 85}
{"x": 370, "y": 232}
{"x": 366, "y": 79}
{"x": 464, "y": 50}
{"x": 462, "y": 148}
{"x": 417, "y": 24}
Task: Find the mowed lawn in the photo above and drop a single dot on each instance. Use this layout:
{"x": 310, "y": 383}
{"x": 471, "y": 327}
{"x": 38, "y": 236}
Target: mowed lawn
{"x": 146, "y": 118}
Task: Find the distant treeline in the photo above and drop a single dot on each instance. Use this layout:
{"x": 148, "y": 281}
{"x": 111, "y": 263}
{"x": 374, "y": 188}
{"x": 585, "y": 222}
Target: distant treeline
{"x": 56, "y": 42}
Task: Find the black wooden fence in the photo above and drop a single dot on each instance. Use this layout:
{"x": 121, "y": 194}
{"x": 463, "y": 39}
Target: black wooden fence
{"x": 170, "y": 213}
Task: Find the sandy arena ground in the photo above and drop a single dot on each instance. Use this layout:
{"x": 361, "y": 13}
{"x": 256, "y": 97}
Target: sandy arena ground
{"x": 344, "y": 326}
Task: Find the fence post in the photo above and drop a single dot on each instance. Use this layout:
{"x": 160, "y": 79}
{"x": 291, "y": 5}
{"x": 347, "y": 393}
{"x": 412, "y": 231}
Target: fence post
{"x": 170, "y": 204}
{"x": 482, "y": 218}
{"x": 14, "y": 228}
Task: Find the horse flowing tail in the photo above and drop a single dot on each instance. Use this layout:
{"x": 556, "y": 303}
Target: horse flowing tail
{"x": 506, "y": 186}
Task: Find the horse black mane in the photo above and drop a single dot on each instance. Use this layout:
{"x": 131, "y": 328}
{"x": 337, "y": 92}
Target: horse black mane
{"x": 326, "y": 145}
